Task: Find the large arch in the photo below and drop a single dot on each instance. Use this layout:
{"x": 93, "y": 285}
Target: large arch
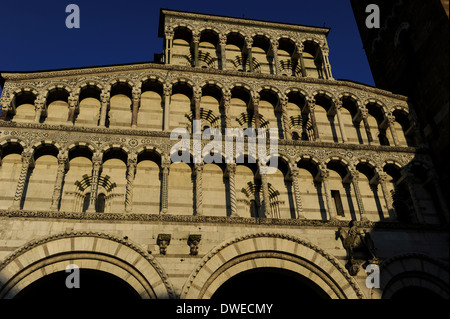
{"x": 87, "y": 250}
{"x": 262, "y": 250}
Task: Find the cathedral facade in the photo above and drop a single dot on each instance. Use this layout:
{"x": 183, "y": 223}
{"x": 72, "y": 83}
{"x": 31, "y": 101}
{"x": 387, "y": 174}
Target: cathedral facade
{"x": 88, "y": 176}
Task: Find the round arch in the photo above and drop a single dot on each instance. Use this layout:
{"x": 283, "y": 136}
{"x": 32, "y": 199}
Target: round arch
{"x": 87, "y": 250}
{"x": 273, "y": 250}
{"x": 414, "y": 270}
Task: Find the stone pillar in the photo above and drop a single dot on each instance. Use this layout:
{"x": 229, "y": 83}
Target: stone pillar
{"x": 391, "y": 121}
{"x": 364, "y": 115}
{"x": 96, "y": 168}
{"x": 324, "y": 175}
{"x": 62, "y": 166}
{"x": 297, "y": 195}
{"x": 165, "y": 166}
{"x": 326, "y": 62}
{"x": 286, "y": 126}
{"x": 274, "y": 45}
{"x": 382, "y": 180}
{"x": 131, "y": 170}
{"x": 136, "y": 101}
{"x": 338, "y": 106}
{"x": 311, "y": 107}
{"x": 196, "y": 41}
{"x": 265, "y": 193}
{"x": 354, "y": 175}
{"x": 255, "y": 104}
{"x": 167, "y": 93}
{"x": 231, "y": 172}
{"x": 39, "y": 105}
{"x": 27, "y": 162}
{"x": 302, "y": 62}
{"x": 104, "y": 99}
{"x": 73, "y": 104}
{"x": 199, "y": 189}
{"x": 169, "y": 41}
{"x": 249, "y": 43}
{"x": 223, "y": 55}
{"x": 226, "y": 98}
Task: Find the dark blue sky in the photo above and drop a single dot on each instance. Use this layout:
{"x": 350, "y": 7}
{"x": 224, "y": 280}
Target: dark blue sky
{"x": 34, "y": 35}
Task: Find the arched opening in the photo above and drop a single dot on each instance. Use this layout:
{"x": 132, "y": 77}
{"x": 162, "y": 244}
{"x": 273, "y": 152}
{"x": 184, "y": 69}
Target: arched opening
{"x": 352, "y": 124}
{"x": 88, "y": 111}
{"x": 211, "y": 114}
{"x": 288, "y": 58}
{"x": 57, "y": 106}
{"x": 120, "y": 105}
{"x": 312, "y": 58}
{"x": 312, "y": 192}
{"x": 262, "y": 58}
{"x": 181, "y": 106}
{"x": 23, "y": 107}
{"x": 147, "y": 183}
{"x": 208, "y": 55}
{"x": 376, "y": 119}
{"x": 93, "y": 285}
{"x": 240, "y": 112}
{"x": 342, "y": 190}
{"x": 10, "y": 167}
{"x": 370, "y": 192}
{"x": 299, "y": 123}
{"x": 269, "y": 110}
{"x": 269, "y": 284}
{"x": 234, "y": 48}
{"x": 326, "y": 118}
{"x": 182, "y": 40}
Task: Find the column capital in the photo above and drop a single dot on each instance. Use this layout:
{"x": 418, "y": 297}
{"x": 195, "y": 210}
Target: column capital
{"x": 167, "y": 89}
{"x": 249, "y": 42}
{"x": 196, "y": 37}
{"x": 283, "y": 100}
{"x": 222, "y": 39}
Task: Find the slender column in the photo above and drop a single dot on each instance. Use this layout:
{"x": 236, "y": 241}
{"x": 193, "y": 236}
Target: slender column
{"x": 324, "y": 175}
{"x": 62, "y": 166}
{"x": 297, "y": 195}
{"x": 223, "y": 55}
{"x": 39, "y": 105}
{"x": 364, "y": 115}
{"x": 311, "y": 107}
{"x": 169, "y": 41}
{"x": 136, "y": 101}
{"x": 131, "y": 171}
{"x": 73, "y": 104}
{"x": 255, "y": 102}
{"x": 104, "y": 97}
{"x": 226, "y": 98}
{"x": 248, "y": 43}
{"x": 231, "y": 172}
{"x": 274, "y": 44}
{"x": 96, "y": 168}
{"x": 167, "y": 93}
{"x": 165, "y": 167}
{"x": 196, "y": 40}
{"x": 27, "y": 162}
{"x": 391, "y": 121}
{"x": 326, "y": 62}
{"x": 382, "y": 180}
{"x": 265, "y": 193}
{"x": 286, "y": 126}
{"x": 354, "y": 175}
{"x": 302, "y": 62}
{"x": 409, "y": 180}
{"x": 338, "y": 106}
{"x": 199, "y": 188}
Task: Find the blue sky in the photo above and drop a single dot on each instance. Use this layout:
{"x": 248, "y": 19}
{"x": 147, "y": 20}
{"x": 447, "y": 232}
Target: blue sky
{"x": 34, "y": 35}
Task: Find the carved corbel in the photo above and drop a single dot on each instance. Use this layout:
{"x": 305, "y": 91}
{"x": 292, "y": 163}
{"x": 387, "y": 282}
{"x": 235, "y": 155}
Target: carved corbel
{"x": 163, "y": 241}
{"x": 193, "y": 242}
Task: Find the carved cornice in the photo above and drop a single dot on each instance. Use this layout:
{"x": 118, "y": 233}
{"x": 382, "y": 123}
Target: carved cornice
{"x": 47, "y": 214}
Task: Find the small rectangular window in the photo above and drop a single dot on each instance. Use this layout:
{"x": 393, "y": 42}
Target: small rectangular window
{"x": 338, "y": 202}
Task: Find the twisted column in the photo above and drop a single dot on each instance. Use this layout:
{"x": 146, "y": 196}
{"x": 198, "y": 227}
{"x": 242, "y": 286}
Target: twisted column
{"x": 364, "y": 115}
{"x": 249, "y": 43}
{"x": 96, "y": 168}
{"x": 223, "y": 57}
{"x": 169, "y": 39}
{"x": 231, "y": 171}
{"x": 27, "y": 162}
{"x": 255, "y": 102}
{"x": 286, "y": 126}
{"x": 391, "y": 121}
{"x": 196, "y": 41}
{"x": 354, "y": 174}
{"x": 199, "y": 189}
{"x": 165, "y": 165}
{"x": 60, "y": 173}
{"x": 297, "y": 196}
{"x": 274, "y": 45}
{"x": 136, "y": 100}
{"x": 302, "y": 62}
{"x": 226, "y": 99}
{"x": 131, "y": 170}
{"x": 311, "y": 106}
{"x": 265, "y": 193}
